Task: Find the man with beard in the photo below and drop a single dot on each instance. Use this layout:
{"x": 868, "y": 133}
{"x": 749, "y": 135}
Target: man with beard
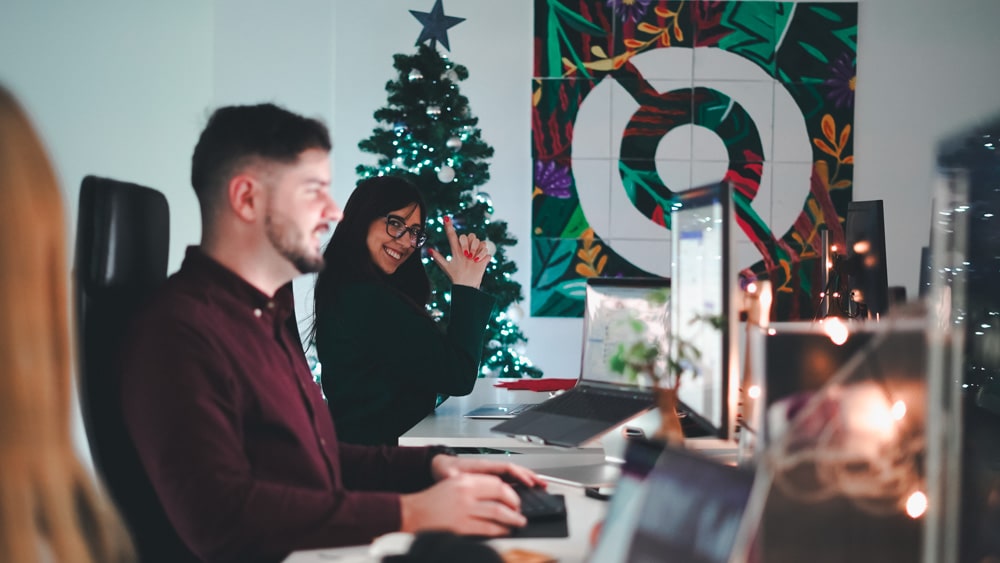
{"x": 230, "y": 427}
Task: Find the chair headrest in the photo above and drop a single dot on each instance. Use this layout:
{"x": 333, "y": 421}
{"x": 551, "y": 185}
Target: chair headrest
{"x": 123, "y": 235}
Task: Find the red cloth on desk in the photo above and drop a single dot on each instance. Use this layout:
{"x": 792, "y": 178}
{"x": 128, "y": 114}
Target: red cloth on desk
{"x": 545, "y": 384}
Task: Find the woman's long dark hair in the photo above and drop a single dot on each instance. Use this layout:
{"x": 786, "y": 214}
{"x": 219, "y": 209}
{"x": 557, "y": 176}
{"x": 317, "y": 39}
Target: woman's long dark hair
{"x": 347, "y": 257}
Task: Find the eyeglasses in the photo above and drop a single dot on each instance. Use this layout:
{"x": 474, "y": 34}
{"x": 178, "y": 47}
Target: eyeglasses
{"x": 396, "y": 228}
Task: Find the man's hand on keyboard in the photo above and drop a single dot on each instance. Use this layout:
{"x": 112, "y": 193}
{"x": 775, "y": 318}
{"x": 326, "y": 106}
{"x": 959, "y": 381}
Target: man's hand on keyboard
{"x": 464, "y": 503}
{"x": 442, "y": 465}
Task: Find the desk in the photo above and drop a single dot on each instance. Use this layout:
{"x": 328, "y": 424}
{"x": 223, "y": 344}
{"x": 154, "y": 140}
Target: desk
{"x": 582, "y": 514}
{"x": 447, "y": 426}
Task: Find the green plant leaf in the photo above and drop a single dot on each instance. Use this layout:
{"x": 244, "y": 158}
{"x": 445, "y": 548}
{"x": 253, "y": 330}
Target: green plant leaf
{"x": 814, "y": 52}
{"x": 551, "y": 259}
{"x": 576, "y": 224}
{"x": 573, "y": 289}
{"x": 828, "y": 14}
{"x": 576, "y": 21}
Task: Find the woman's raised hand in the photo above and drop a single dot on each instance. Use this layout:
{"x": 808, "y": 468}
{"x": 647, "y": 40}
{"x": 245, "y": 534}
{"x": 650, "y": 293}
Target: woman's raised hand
{"x": 469, "y": 257}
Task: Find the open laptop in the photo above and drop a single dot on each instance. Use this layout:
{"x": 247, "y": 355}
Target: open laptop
{"x": 602, "y": 399}
{"x": 685, "y": 507}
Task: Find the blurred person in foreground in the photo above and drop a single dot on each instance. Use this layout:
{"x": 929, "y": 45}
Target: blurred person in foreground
{"x": 50, "y": 508}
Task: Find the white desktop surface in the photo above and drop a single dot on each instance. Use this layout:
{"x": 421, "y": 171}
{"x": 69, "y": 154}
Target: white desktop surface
{"x": 447, "y": 426}
{"x": 582, "y": 514}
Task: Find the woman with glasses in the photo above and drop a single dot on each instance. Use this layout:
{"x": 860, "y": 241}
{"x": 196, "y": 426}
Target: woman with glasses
{"x": 384, "y": 359}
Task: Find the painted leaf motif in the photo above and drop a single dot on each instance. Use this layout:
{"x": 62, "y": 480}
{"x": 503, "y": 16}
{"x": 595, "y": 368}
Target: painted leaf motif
{"x": 816, "y": 53}
{"x": 678, "y": 34}
{"x": 844, "y": 135}
{"x": 841, "y": 184}
{"x": 848, "y": 160}
{"x": 602, "y": 263}
{"x": 829, "y": 127}
{"x": 824, "y": 147}
{"x": 576, "y": 289}
{"x": 576, "y": 224}
{"x": 576, "y": 21}
{"x": 585, "y": 270}
{"x": 649, "y": 28}
{"x": 822, "y": 170}
{"x": 828, "y": 14}
{"x": 552, "y": 258}
{"x": 633, "y": 43}
{"x": 598, "y": 51}
{"x": 663, "y": 12}
{"x": 603, "y": 65}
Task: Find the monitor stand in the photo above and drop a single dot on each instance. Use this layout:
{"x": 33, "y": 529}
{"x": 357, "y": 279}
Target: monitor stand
{"x": 605, "y": 475}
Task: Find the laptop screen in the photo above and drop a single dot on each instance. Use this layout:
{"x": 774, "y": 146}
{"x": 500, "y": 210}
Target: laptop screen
{"x": 685, "y": 508}
{"x": 619, "y": 312}
{"x": 701, "y": 228}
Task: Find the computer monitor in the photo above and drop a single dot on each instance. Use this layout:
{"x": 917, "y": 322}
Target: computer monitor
{"x": 703, "y": 284}
{"x": 798, "y": 359}
{"x": 867, "y": 278}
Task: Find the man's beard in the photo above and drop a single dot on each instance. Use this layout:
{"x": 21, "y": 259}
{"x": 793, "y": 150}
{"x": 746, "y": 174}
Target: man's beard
{"x": 283, "y": 240}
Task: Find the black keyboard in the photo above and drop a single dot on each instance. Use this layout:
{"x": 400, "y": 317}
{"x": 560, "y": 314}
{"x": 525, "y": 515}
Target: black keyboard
{"x": 538, "y": 504}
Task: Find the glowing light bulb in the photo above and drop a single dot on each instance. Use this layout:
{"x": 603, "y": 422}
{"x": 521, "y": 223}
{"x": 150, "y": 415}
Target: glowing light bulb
{"x": 836, "y": 330}
{"x": 898, "y": 410}
{"x": 752, "y": 287}
{"x": 916, "y": 505}
{"x": 754, "y": 392}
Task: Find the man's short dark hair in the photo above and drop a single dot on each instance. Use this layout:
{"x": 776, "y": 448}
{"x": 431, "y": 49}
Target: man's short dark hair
{"x": 237, "y": 135}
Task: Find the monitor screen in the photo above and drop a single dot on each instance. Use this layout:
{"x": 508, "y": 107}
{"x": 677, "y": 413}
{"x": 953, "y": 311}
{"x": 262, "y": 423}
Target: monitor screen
{"x": 622, "y": 519}
{"x": 867, "y": 278}
{"x": 701, "y": 225}
{"x": 799, "y": 360}
{"x": 619, "y": 312}
{"x": 692, "y": 511}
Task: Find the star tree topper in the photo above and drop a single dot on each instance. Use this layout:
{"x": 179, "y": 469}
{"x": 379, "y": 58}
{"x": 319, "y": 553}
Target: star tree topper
{"x": 436, "y": 25}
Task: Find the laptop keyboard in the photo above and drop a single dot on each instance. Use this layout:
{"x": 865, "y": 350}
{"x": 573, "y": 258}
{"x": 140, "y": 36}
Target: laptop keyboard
{"x": 580, "y": 404}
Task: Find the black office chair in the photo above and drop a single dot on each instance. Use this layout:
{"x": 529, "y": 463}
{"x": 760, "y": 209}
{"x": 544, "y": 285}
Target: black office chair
{"x": 122, "y": 241}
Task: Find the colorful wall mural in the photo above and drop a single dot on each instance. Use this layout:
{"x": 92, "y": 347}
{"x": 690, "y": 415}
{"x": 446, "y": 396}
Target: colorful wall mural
{"x": 633, "y": 100}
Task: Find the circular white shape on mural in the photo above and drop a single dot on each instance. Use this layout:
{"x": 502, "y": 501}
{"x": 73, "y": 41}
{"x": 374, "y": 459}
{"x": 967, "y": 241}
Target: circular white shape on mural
{"x": 599, "y": 193}
{"x": 608, "y": 107}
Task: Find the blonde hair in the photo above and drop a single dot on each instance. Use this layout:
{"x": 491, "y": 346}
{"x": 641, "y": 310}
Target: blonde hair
{"x": 48, "y": 500}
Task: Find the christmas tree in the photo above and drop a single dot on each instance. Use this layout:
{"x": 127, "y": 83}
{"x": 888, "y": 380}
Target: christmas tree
{"x": 428, "y": 135}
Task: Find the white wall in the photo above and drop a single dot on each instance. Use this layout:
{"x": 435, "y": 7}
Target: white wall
{"x": 926, "y": 70}
{"x": 116, "y": 89}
